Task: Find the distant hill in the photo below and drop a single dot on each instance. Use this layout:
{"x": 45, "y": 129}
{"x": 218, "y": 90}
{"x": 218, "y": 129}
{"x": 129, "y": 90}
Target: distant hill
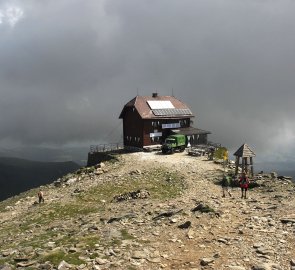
{"x": 18, "y": 175}
{"x": 282, "y": 168}
{"x": 48, "y": 154}
{"x": 288, "y": 173}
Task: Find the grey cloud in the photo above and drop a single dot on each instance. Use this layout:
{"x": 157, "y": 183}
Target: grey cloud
{"x": 68, "y": 67}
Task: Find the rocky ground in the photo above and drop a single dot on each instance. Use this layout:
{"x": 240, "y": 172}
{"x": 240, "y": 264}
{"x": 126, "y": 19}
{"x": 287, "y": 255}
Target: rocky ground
{"x": 150, "y": 211}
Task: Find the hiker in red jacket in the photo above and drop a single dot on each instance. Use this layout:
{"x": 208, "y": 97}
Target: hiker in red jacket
{"x": 244, "y": 184}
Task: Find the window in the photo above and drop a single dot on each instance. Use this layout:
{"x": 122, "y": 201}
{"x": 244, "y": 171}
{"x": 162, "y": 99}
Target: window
{"x": 171, "y": 125}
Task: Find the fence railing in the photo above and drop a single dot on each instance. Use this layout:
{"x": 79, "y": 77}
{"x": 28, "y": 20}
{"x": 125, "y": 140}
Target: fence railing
{"x": 106, "y": 147}
{"x": 216, "y": 145}
{"x": 120, "y": 146}
{"x": 109, "y": 147}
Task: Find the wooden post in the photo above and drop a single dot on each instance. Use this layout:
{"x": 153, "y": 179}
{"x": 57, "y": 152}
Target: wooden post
{"x": 246, "y": 166}
{"x": 252, "y": 169}
{"x": 237, "y": 165}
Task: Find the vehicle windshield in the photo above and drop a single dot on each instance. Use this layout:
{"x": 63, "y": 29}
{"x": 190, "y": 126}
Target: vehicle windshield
{"x": 170, "y": 140}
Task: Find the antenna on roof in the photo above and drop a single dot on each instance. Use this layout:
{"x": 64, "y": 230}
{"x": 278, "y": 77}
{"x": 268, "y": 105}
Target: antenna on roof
{"x": 172, "y": 93}
{"x": 137, "y": 91}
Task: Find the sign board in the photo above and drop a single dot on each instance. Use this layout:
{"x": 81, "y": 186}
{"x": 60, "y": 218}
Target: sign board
{"x": 171, "y": 125}
{"x": 156, "y": 134}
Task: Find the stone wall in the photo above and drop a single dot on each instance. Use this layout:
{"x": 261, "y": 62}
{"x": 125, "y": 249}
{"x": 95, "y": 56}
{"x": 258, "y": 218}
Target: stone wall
{"x": 97, "y": 157}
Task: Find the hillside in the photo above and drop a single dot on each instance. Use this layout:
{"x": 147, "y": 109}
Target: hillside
{"x": 18, "y": 175}
{"x": 48, "y": 154}
{"x": 150, "y": 211}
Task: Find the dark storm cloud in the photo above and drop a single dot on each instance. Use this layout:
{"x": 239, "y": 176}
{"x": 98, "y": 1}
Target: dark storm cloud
{"x": 68, "y": 67}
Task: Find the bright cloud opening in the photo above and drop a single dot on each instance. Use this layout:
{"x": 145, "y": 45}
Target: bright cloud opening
{"x": 11, "y": 15}
{"x": 1, "y": 17}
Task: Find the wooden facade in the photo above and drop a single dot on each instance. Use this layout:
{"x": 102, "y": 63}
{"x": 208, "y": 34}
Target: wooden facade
{"x": 144, "y": 126}
{"x": 132, "y": 129}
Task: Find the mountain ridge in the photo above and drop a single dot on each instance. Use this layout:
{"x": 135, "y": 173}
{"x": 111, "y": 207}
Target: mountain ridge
{"x": 18, "y": 175}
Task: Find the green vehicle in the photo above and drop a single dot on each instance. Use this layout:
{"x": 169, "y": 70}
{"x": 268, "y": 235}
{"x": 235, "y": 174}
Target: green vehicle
{"x": 174, "y": 143}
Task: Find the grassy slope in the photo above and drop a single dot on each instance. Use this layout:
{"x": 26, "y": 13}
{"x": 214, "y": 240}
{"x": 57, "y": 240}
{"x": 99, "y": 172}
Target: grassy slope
{"x": 161, "y": 183}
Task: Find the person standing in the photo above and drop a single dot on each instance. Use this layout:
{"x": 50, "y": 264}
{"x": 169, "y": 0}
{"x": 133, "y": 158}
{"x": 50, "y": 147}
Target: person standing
{"x": 211, "y": 153}
{"x": 226, "y": 183}
{"x": 225, "y": 159}
{"x": 244, "y": 184}
{"x": 40, "y": 196}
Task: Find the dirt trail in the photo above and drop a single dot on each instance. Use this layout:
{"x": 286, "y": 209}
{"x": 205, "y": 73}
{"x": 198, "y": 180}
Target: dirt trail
{"x": 229, "y": 238}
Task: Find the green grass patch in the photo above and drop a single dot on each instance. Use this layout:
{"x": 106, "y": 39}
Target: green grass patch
{"x": 126, "y": 235}
{"x": 220, "y": 152}
{"x": 66, "y": 240}
{"x": 143, "y": 241}
{"x": 115, "y": 242}
{"x": 57, "y": 256}
{"x": 39, "y": 240}
{"x": 160, "y": 183}
{"x": 70, "y": 210}
{"x": 58, "y": 212}
{"x": 61, "y": 240}
{"x": 130, "y": 268}
{"x": 3, "y": 261}
{"x": 8, "y": 229}
{"x": 54, "y": 212}
{"x": 90, "y": 240}
{"x": 207, "y": 209}
{"x": 12, "y": 200}
{"x": 114, "y": 159}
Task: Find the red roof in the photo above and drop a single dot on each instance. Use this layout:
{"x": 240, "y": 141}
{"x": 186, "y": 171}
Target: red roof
{"x": 140, "y": 103}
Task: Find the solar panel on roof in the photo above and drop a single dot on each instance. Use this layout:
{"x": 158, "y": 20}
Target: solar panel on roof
{"x": 160, "y": 104}
{"x": 169, "y": 112}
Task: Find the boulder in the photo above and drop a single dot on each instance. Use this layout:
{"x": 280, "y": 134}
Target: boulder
{"x": 267, "y": 266}
{"x": 63, "y": 265}
{"x": 100, "y": 165}
{"x": 203, "y": 208}
{"x": 138, "y": 194}
{"x": 139, "y": 255}
{"x": 206, "y": 261}
{"x": 5, "y": 267}
{"x": 234, "y": 267}
{"x": 101, "y": 261}
{"x": 185, "y": 225}
{"x": 287, "y": 220}
{"x": 71, "y": 181}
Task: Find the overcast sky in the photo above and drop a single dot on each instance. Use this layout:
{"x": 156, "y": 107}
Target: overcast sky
{"x": 67, "y": 68}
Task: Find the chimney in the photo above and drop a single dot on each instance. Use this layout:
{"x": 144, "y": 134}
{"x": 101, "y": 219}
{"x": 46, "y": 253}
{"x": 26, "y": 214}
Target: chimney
{"x": 155, "y": 94}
